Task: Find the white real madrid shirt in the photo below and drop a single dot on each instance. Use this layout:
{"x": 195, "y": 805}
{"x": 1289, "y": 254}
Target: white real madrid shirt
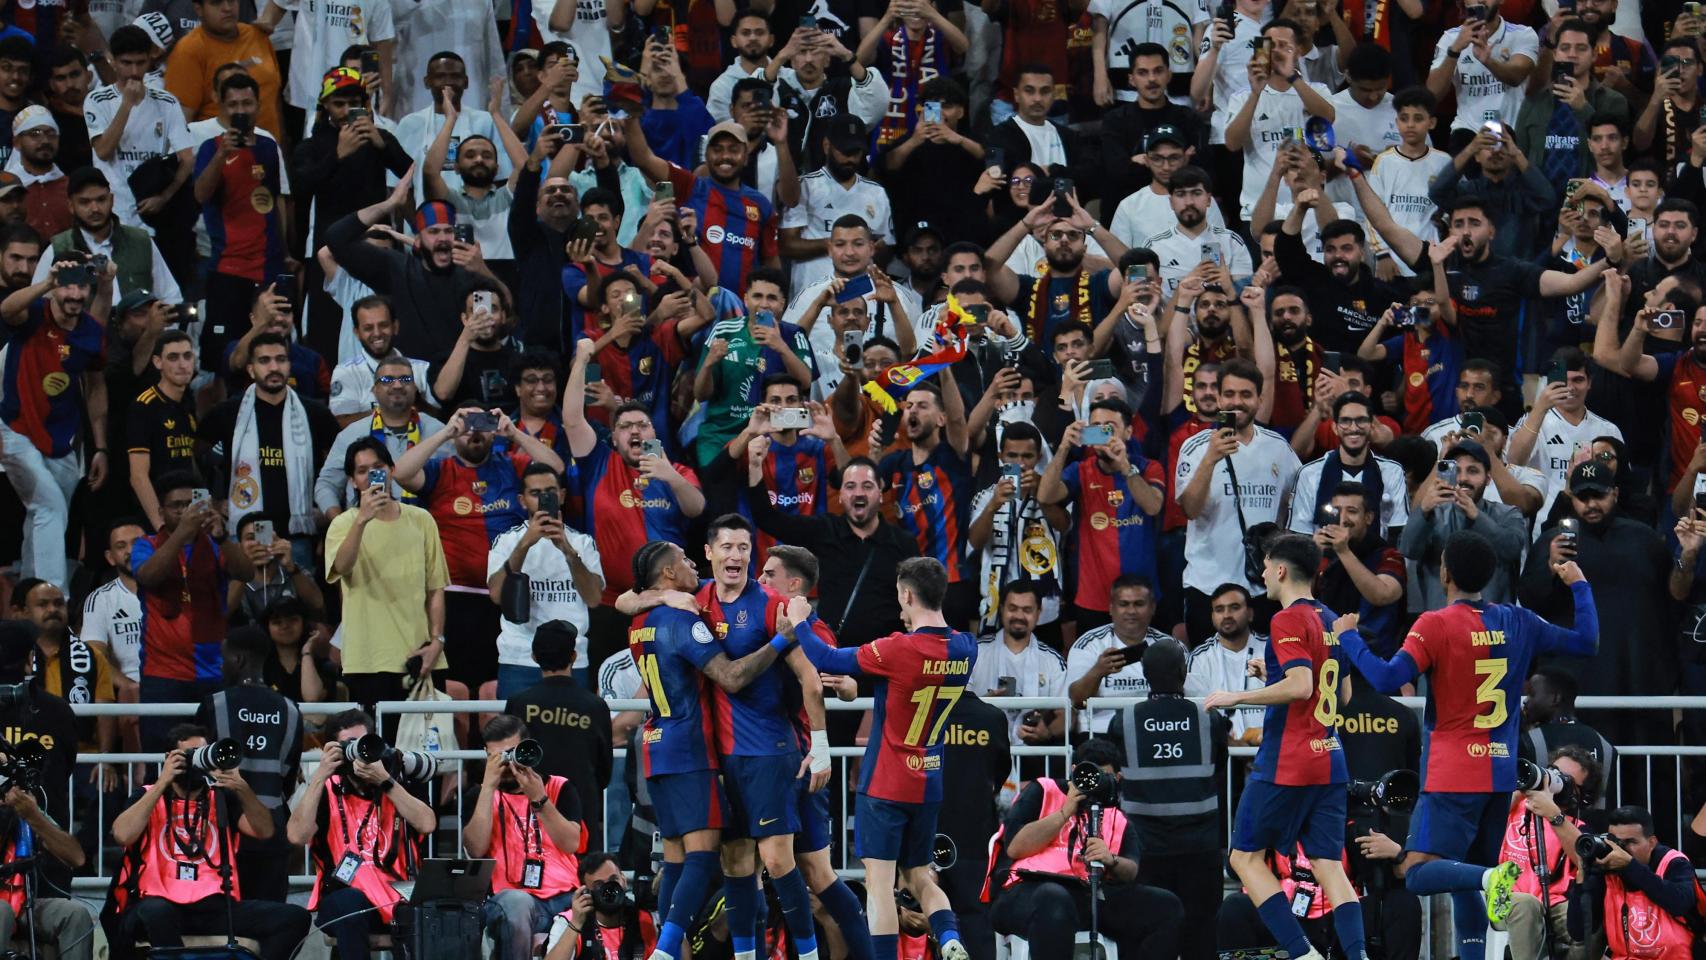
{"x": 1170, "y": 23}
{"x": 823, "y": 201}
{"x": 1214, "y": 543}
{"x": 352, "y": 383}
{"x": 1231, "y": 70}
{"x": 1179, "y": 252}
{"x": 324, "y": 30}
{"x": 1278, "y": 113}
{"x": 1394, "y": 495}
{"x": 1557, "y": 444}
{"x": 112, "y": 615}
{"x": 1481, "y": 96}
{"x": 1216, "y": 667}
{"x": 1141, "y": 214}
{"x": 1127, "y": 681}
{"x": 1404, "y": 182}
{"x": 154, "y": 128}
{"x": 1037, "y": 671}
{"x": 551, "y": 589}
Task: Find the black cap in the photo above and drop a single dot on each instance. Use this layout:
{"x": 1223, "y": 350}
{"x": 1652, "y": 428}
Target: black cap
{"x": 1590, "y": 477}
{"x": 919, "y": 229}
{"x": 1166, "y": 133}
{"x": 848, "y": 134}
{"x": 1471, "y": 449}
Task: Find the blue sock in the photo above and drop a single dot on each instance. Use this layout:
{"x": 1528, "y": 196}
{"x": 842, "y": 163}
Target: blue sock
{"x": 1276, "y": 916}
{"x": 943, "y": 927}
{"x": 688, "y": 897}
{"x": 741, "y": 895}
{"x": 667, "y": 879}
{"x": 1444, "y": 876}
{"x": 844, "y": 909}
{"x": 797, "y": 911}
{"x": 1347, "y": 923}
{"x": 1469, "y": 915}
{"x": 885, "y": 946}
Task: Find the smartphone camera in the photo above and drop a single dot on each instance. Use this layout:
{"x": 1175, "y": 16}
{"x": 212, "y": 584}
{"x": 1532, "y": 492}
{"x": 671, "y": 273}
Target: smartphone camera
{"x": 853, "y": 347}
{"x": 1327, "y": 515}
{"x": 1448, "y": 472}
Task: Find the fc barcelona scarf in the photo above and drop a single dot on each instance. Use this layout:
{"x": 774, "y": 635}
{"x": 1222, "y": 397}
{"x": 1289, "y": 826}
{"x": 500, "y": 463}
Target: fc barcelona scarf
{"x": 912, "y": 61}
{"x": 893, "y": 383}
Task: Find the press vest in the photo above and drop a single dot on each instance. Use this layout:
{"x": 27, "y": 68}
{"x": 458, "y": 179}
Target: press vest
{"x": 374, "y": 831}
{"x": 1297, "y": 875}
{"x": 133, "y": 254}
{"x": 1521, "y": 847}
{"x": 1167, "y": 783}
{"x": 1637, "y": 927}
{"x": 13, "y": 891}
{"x": 518, "y": 836}
{"x": 182, "y": 851}
{"x": 1061, "y": 857}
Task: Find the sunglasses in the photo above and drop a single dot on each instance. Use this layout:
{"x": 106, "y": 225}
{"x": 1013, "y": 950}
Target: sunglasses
{"x": 387, "y": 380}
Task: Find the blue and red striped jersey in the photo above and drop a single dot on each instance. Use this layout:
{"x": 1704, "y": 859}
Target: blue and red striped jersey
{"x": 183, "y": 617}
{"x": 1428, "y": 373}
{"x": 1113, "y": 534}
{"x": 1300, "y": 742}
{"x": 919, "y": 676}
{"x": 640, "y": 371}
{"x": 472, "y": 505}
{"x": 737, "y": 227}
{"x": 242, "y": 217}
{"x": 41, "y": 377}
{"x": 753, "y": 722}
{"x": 624, "y": 510}
{"x": 670, "y": 649}
{"x": 930, "y": 501}
{"x": 796, "y": 479}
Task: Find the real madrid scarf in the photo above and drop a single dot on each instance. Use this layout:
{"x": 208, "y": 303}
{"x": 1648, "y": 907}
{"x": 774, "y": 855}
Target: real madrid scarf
{"x": 910, "y": 64}
{"x": 886, "y": 389}
{"x": 1035, "y": 559}
{"x": 77, "y": 673}
{"x": 1333, "y": 473}
{"x": 246, "y": 495}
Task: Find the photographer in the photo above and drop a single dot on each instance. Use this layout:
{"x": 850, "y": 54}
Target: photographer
{"x": 1649, "y": 886}
{"x": 178, "y": 874}
{"x": 531, "y": 825}
{"x": 1540, "y": 837}
{"x": 29, "y": 714}
{"x": 357, "y": 864}
{"x": 1047, "y": 861}
{"x": 623, "y": 930}
{"x": 27, "y": 833}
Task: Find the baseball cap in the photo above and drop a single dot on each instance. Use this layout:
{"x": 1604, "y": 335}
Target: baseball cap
{"x": 729, "y": 127}
{"x": 9, "y": 182}
{"x": 848, "y": 134}
{"x": 1590, "y": 477}
{"x": 34, "y": 117}
{"x": 340, "y": 80}
{"x": 133, "y": 300}
{"x": 158, "y": 28}
{"x": 1166, "y": 133}
{"x": 1472, "y": 450}
{"x": 919, "y": 229}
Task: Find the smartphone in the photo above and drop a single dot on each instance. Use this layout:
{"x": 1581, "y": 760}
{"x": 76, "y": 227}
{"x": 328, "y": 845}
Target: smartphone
{"x": 932, "y": 111}
{"x": 1703, "y": 113}
{"x": 1555, "y": 372}
{"x": 1210, "y": 253}
{"x": 979, "y": 312}
{"x": 594, "y": 373}
{"x": 763, "y": 97}
{"x": 484, "y": 300}
{"x": 572, "y": 133}
{"x": 1327, "y": 514}
{"x": 994, "y": 158}
{"x": 243, "y": 123}
{"x": 550, "y": 501}
{"x": 1005, "y": 687}
{"x": 1101, "y": 370}
{"x": 587, "y": 229}
{"x": 370, "y": 61}
{"x": 1062, "y": 190}
{"x": 463, "y": 233}
{"x": 1226, "y": 420}
{"x": 1668, "y": 319}
{"x": 1569, "y": 530}
{"x": 200, "y": 495}
{"x": 1137, "y": 273}
{"x": 378, "y": 477}
{"x": 284, "y": 285}
{"x": 665, "y": 190}
{"x": 263, "y": 532}
{"x": 1448, "y": 472}
{"x": 1637, "y": 227}
{"x": 853, "y": 346}
{"x": 1012, "y": 471}
{"x": 791, "y": 418}
{"x": 763, "y": 318}
{"x": 71, "y": 276}
{"x": 357, "y": 113}
{"x": 1095, "y": 435}
{"x": 480, "y": 421}
{"x": 1261, "y": 48}
{"x": 632, "y": 304}
{"x": 1561, "y": 72}
{"x": 1472, "y": 423}
{"x": 663, "y": 36}
{"x": 860, "y": 286}
{"x": 1330, "y": 360}
{"x": 808, "y": 22}
{"x": 651, "y": 448}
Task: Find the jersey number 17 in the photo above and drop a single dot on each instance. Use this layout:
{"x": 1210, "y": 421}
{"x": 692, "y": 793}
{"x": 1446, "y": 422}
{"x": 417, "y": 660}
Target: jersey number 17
{"x": 924, "y": 701}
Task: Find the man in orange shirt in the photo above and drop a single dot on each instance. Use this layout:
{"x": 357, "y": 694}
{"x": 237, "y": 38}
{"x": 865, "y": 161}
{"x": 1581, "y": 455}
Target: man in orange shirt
{"x": 222, "y": 39}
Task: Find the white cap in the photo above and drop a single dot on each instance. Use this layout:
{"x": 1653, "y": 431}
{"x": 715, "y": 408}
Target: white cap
{"x": 33, "y": 117}
{"x": 158, "y": 27}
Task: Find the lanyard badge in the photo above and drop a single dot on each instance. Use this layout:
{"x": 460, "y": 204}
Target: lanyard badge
{"x": 532, "y": 873}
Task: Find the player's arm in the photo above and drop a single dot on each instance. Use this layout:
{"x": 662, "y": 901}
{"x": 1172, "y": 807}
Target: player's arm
{"x": 733, "y": 675}
{"x": 1583, "y": 639}
{"x": 833, "y": 660}
{"x": 811, "y": 692}
{"x": 1388, "y": 676}
{"x": 1298, "y": 683}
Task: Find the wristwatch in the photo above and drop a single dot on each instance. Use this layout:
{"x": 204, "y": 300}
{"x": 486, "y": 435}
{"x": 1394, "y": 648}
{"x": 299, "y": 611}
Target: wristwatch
{"x": 536, "y": 805}
{"x": 1556, "y": 820}
{"x": 386, "y": 786}
{"x": 1133, "y": 470}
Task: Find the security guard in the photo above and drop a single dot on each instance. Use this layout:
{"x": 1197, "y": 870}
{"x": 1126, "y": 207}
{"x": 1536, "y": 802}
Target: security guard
{"x": 1170, "y": 784}
{"x": 976, "y": 758}
{"x": 1549, "y": 722}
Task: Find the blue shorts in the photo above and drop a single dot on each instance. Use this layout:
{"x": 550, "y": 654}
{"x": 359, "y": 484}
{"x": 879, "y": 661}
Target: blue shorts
{"x": 1467, "y": 827}
{"x": 686, "y": 802}
{"x": 1275, "y": 817}
{"x": 813, "y": 810}
{"x": 890, "y": 830}
{"x": 761, "y": 795}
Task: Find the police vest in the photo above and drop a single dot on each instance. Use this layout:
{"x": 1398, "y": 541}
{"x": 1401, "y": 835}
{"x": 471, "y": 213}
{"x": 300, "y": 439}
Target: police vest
{"x": 527, "y": 859}
{"x": 1062, "y": 857}
{"x": 1637, "y": 927}
{"x": 1526, "y": 838}
{"x": 182, "y": 850}
{"x": 1169, "y": 761}
{"x": 371, "y": 835}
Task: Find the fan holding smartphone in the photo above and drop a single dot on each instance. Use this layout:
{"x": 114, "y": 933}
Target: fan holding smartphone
{"x": 1016, "y": 664}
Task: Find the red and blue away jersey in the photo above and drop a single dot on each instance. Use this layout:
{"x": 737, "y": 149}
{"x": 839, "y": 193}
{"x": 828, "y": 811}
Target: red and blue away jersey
{"x": 1429, "y": 372}
{"x": 1300, "y": 741}
{"x": 183, "y": 618}
{"x": 1114, "y": 536}
{"x": 625, "y": 510}
{"x": 919, "y": 676}
{"x": 472, "y": 505}
{"x": 41, "y": 377}
{"x": 242, "y": 217}
{"x": 796, "y": 699}
{"x": 737, "y": 227}
{"x": 670, "y": 648}
{"x": 796, "y": 479}
{"x": 640, "y": 371}
{"x": 930, "y": 501}
{"x": 753, "y": 722}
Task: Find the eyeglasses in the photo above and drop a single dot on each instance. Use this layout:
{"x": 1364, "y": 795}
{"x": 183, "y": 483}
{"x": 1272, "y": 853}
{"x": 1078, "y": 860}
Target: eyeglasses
{"x": 1065, "y": 236}
{"x": 535, "y": 381}
{"x": 387, "y": 380}
{"x": 1021, "y": 181}
{"x": 1356, "y": 421}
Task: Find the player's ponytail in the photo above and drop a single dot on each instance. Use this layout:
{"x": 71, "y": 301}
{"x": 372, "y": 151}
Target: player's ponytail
{"x": 646, "y": 561}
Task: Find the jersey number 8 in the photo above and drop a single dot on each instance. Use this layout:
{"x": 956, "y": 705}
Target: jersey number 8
{"x": 1327, "y": 695}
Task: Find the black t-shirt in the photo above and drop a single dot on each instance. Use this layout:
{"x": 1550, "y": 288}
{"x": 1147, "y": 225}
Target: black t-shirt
{"x": 288, "y": 683}
{"x": 47, "y": 720}
{"x": 573, "y": 725}
{"x": 218, "y": 427}
{"x": 263, "y": 722}
{"x": 838, "y": 18}
{"x": 485, "y": 377}
{"x": 1125, "y": 129}
{"x": 1489, "y": 297}
{"x": 164, "y": 429}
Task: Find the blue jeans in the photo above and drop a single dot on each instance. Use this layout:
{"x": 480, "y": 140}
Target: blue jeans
{"x": 156, "y": 730}
{"x": 514, "y": 678}
{"x": 514, "y": 916}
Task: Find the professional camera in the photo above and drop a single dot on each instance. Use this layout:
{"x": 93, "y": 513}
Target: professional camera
{"x": 408, "y": 765}
{"x": 1593, "y": 846}
{"x": 1532, "y": 776}
{"x": 1094, "y": 783}
{"x": 21, "y": 765}
{"x": 1394, "y": 792}
{"x": 13, "y": 694}
{"x": 226, "y": 754}
{"x": 527, "y": 753}
{"x": 609, "y": 896}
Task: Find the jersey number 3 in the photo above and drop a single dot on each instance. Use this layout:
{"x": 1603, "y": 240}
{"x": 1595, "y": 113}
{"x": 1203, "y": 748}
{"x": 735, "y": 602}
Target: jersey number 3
{"x": 1492, "y": 673}
{"x": 925, "y": 699}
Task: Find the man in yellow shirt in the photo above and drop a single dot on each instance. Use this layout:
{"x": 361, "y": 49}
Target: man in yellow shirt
{"x": 221, "y": 39}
